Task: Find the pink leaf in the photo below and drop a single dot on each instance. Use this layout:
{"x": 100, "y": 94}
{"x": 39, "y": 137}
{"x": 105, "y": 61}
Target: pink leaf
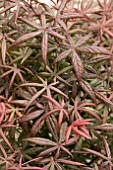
{"x": 80, "y": 133}
{"x": 68, "y": 131}
{"x": 52, "y": 101}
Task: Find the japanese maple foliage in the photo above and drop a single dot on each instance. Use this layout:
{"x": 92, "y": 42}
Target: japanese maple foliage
{"x": 56, "y": 85}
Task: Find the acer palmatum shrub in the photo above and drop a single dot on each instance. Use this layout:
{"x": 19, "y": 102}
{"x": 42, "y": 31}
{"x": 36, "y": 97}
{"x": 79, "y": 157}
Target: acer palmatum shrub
{"x": 56, "y": 85}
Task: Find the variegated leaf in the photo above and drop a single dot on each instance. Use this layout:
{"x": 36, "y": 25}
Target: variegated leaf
{"x": 88, "y": 89}
{"x": 77, "y": 66}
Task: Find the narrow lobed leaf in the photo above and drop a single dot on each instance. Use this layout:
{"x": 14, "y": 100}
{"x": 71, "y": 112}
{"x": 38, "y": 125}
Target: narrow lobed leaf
{"x": 41, "y": 141}
{"x": 77, "y": 66}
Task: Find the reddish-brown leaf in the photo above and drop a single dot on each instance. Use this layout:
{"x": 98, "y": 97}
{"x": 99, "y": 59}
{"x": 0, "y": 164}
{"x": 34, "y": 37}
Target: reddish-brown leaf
{"x": 19, "y": 102}
{"x": 63, "y": 131}
{"x": 37, "y": 124}
{"x": 70, "y": 162}
{"x": 91, "y": 76}
{"x": 102, "y": 97}
{"x": 83, "y": 39}
{"x": 66, "y": 151}
{"x": 3, "y": 49}
{"x": 31, "y": 116}
{"x": 25, "y": 37}
{"x": 95, "y": 153}
{"x": 71, "y": 16}
{"x": 62, "y": 55}
{"x": 28, "y": 168}
{"x": 55, "y": 34}
{"x": 29, "y": 22}
{"x": 52, "y": 126}
{"x": 99, "y": 58}
{"x": 52, "y": 101}
{"x": 91, "y": 112}
{"x": 34, "y": 98}
{"x": 58, "y": 91}
{"x": 48, "y": 151}
{"x": 107, "y": 147}
{"x": 77, "y": 66}
{"x": 105, "y": 127}
{"x": 94, "y": 49}
{"x": 44, "y": 46}
{"x": 41, "y": 141}
{"x": 88, "y": 89}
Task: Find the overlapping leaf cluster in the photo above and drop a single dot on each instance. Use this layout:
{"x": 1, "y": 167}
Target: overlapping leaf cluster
{"x": 56, "y": 85}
